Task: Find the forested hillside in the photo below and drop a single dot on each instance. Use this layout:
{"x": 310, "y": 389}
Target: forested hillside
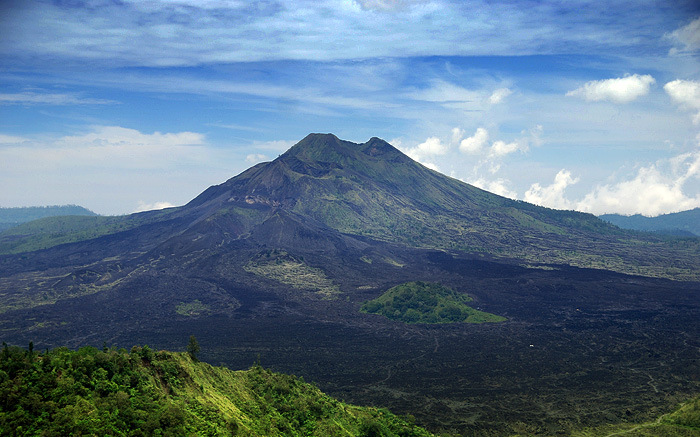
{"x": 147, "y": 393}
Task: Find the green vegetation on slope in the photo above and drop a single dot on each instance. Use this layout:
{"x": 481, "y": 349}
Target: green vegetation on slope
{"x": 277, "y": 264}
{"x": 683, "y": 422}
{"x": 424, "y": 302}
{"x": 146, "y": 393}
{"x": 52, "y": 231}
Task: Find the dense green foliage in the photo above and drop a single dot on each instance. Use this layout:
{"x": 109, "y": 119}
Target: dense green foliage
{"x": 113, "y": 392}
{"x": 424, "y": 302}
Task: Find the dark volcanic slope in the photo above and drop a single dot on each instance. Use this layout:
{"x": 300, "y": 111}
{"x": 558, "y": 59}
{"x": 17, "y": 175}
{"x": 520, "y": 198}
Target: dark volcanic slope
{"x": 274, "y": 264}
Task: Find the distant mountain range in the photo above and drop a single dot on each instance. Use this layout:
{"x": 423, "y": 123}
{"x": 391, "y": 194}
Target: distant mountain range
{"x": 685, "y": 223}
{"x": 275, "y": 264}
{"x": 10, "y": 217}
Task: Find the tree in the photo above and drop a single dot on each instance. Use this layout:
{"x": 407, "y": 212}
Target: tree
{"x": 193, "y": 348}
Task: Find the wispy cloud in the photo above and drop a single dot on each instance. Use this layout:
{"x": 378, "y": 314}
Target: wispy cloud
{"x": 177, "y": 33}
{"x": 143, "y": 206}
{"x": 617, "y": 90}
{"x": 58, "y": 99}
{"x": 110, "y": 168}
{"x": 686, "y": 39}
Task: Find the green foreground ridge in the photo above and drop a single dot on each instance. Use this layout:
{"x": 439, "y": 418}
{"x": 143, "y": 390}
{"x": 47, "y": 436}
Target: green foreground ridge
{"x": 113, "y": 392}
{"x": 426, "y": 302}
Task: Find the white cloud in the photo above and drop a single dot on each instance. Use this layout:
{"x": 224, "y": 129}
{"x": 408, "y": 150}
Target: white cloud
{"x": 668, "y": 185}
{"x": 475, "y": 144}
{"x": 187, "y": 32}
{"x": 457, "y": 135}
{"x": 688, "y": 37}
{"x": 501, "y": 148}
{"x": 499, "y": 95}
{"x": 108, "y": 168}
{"x": 430, "y": 147}
{"x": 124, "y": 138}
{"x": 11, "y": 139}
{"x": 143, "y": 206}
{"x": 454, "y": 96}
{"x": 651, "y": 192}
{"x": 386, "y": 5}
{"x": 618, "y": 90}
{"x": 685, "y": 93}
{"x": 552, "y": 196}
{"x": 255, "y": 158}
{"x": 497, "y": 186}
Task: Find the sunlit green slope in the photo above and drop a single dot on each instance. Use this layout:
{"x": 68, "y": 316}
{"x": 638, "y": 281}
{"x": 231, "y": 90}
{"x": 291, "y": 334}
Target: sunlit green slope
{"x": 147, "y": 393}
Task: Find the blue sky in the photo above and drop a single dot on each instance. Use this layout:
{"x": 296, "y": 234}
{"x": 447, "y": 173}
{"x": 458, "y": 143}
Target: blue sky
{"x": 127, "y": 105}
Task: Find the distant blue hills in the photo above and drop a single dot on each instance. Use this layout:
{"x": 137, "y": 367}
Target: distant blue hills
{"x": 684, "y": 223}
{"x": 10, "y": 217}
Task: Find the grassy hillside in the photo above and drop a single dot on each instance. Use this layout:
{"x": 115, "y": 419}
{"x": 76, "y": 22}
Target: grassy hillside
{"x": 683, "y": 422}
{"x": 424, "y": 302}
{"x": 52, "y": 231}
{"x": 146, "y": 393}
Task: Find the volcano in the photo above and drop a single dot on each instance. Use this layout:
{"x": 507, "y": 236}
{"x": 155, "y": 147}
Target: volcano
{"x": 273, "y": 265}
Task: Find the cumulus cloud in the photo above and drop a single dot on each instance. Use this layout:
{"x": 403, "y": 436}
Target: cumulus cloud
{"x": 650, "y": 192}
{"x": 429, "y": 148}
{"x": 552, "y": 195}
{"x": 618, "y": 90}
{"x": 497, "y": 186}
{"x": 687, "y": 38}
{"x": 668, "y": 185}
{"x": 143, "y": 206}
{"x": 476, "y": 143}
{"x": 501, "y": 148}
{"x": 685, "y": 93}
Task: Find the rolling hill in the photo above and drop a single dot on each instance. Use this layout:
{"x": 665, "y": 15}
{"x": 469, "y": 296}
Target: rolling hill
{"x": 275, "y": 264}
{"x": 678, "y": 223}
{"x": 10, "y": 217}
